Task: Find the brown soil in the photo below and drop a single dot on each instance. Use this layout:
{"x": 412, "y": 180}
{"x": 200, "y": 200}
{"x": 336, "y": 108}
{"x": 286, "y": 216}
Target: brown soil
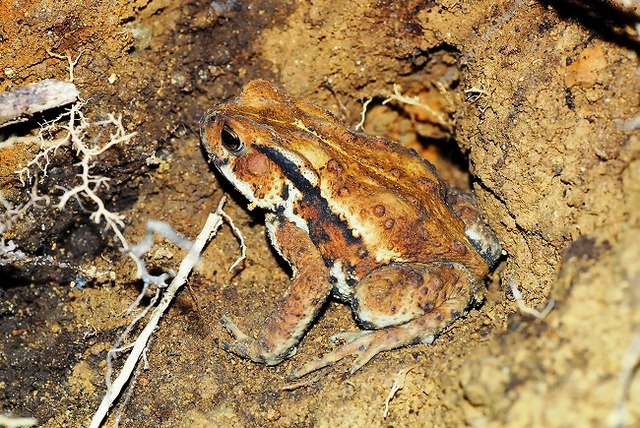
{"x": 534, "y": 104}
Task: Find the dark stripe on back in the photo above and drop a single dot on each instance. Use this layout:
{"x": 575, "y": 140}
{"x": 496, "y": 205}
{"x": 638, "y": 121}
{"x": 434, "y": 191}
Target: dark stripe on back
{"x": 312, "y": 201}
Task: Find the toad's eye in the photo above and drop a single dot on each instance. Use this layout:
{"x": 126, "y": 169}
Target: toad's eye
{"x": 230, "y": 140}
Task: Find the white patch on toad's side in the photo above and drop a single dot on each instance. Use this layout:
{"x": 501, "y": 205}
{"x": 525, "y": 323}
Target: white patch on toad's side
{"x": 384, "y": 256}
{"x": 341, "y": 287}
{"x": 473, "y": 234}
{"x": 272, "y": 219}
{"x": 289, "y": 203}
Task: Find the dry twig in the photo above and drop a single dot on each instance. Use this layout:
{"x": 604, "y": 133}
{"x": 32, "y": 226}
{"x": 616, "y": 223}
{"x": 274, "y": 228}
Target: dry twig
{"x": 17, "y": 105}
{"x": 213, "y": 223}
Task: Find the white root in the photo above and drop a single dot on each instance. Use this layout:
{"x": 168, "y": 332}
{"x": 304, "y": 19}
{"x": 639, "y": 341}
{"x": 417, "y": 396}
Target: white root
{"x": 214, "y": 221}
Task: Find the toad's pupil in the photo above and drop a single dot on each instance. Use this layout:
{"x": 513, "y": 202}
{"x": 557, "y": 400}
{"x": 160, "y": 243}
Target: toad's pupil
{"x": 230, "y": 140}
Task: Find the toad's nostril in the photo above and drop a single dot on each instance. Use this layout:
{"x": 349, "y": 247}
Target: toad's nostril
{"x": 207, "y": 118}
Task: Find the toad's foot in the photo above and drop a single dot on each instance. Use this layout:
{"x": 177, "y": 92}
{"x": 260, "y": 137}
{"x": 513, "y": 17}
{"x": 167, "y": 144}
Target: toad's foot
{"x": 364, "y": 345}
{"x": 247, "y": 347}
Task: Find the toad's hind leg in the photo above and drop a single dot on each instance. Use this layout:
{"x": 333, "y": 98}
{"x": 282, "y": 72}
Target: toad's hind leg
{"x": 402, "y": 304}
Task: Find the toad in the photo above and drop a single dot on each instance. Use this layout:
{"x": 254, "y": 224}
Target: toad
{"x": 357, "y": 217}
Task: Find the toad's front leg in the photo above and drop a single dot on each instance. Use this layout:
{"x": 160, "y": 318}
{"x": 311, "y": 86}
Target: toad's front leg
{"x": 310, "y": 287}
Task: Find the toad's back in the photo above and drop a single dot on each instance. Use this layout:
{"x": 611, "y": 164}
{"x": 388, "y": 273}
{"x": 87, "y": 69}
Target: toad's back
{"x": 383, "y": 193}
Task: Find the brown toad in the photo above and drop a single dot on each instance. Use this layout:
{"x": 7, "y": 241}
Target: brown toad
{"x": 357, "y": 217}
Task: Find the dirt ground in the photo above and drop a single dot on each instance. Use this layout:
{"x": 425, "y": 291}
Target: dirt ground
{"x": 536, "y": 110}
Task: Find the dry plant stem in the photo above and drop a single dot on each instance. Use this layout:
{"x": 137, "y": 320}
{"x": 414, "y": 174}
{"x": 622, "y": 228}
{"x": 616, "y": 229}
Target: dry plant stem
{"x": 17, "y": 105}
{"x": 137, "y": 252}
{"x": 214, "y": 221}
{"x": 129, "y": 393}
{"x": 239, "y": 236}
{"x": 117, "y": 348}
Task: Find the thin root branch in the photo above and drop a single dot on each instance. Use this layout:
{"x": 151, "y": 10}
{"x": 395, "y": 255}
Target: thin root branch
{"x": 620, "y": 417}
{"x": 238, "y": 234}
{"x": 212, "y": 225}
{"x": 526, "y": 309}
{"x": 396, "y": 385}
{"x": 363, "y": 114}
{"x": 438, "y": 117}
